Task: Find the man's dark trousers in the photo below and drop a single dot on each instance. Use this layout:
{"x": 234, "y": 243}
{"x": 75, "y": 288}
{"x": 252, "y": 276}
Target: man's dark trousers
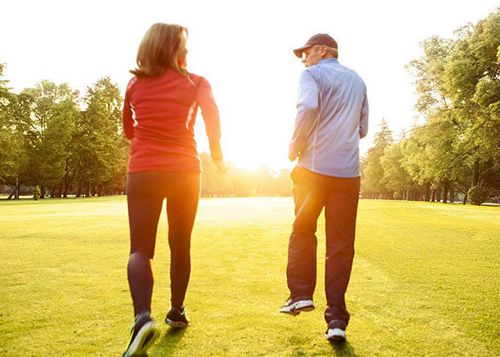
{"x": 339, "y": 197}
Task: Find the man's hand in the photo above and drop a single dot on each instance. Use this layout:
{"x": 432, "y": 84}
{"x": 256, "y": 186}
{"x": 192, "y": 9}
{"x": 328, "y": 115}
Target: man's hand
{"x": 293, "y": 154}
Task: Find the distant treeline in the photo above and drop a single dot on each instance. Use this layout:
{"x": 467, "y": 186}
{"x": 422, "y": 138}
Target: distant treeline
{"x": 55, "y": 143}
{"x": 59, "y": 143}
{"x": 456, "y": 152}
{"x": 233, "y": 182}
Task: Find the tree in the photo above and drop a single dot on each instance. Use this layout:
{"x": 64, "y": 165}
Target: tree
{"x": 100, "y": 147}
{"x": 48, "y": 113}
{"x": 472, "y": 75}
{"x": 13, "y": 157}
{"x": 372, "y": 170}
{"x": 458, "y": 89}
{"x": 429, "y": 76}
{"x": 396, "y": 178}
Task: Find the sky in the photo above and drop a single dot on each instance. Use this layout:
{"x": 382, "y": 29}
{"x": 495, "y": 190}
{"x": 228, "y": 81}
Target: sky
{"x": 243, "y": 48}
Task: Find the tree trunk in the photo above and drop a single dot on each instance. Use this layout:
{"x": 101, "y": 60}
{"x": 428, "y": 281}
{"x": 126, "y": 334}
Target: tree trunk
{"x": 42, "y": 191}
{"x": 427, "y": 196}
{"x": 17, "y": 189}
{"x": 475, "y": 173}
{"x": 15, "y": 192}
{"x": 67, "y": 184}
{"x": 79, "y": 192}
{"x": 446, "y": 188}
{"x": 465, "y": 199}
{"x": 66, "y": 179}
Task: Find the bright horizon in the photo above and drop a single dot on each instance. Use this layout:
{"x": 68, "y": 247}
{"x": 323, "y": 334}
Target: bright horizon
{"x": 243, "y": 48}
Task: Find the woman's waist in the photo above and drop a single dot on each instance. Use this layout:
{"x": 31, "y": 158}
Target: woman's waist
{"x": 163, "y": 140}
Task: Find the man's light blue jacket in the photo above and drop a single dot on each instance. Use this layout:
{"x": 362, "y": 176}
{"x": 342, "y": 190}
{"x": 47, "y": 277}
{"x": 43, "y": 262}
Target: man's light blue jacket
{"x": 332, "y": 116}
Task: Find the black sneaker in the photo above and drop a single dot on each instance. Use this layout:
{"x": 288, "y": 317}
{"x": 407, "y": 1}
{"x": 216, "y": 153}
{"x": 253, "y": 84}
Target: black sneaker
{"x": 142, "y": 335}
{"x": 295, "y": 307}
{"x": 177, "y": 317}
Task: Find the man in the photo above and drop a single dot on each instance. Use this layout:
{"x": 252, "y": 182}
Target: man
{"x": 332, "y": 115}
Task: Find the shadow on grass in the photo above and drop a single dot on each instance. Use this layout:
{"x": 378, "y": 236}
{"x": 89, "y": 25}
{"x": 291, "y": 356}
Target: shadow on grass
{"x": 342, "y": 348}
{"x": 168, "y": 343}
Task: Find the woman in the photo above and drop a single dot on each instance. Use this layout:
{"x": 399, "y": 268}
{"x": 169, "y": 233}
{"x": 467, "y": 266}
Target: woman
{"x": 159, "y": 112}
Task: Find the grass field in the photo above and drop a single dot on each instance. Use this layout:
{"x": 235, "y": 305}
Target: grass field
{"x": 425, "y": 282}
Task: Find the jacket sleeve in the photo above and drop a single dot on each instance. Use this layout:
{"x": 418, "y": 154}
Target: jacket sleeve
{"x": 307, "y": 114}
{"x": 127, "y": 118}
{"x": 363, "y": 121}
{"x": 210, "y": 114}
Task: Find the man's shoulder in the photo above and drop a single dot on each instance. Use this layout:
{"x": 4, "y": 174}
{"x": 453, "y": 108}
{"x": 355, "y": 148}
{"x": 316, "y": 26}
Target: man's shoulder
{"x": 358, "y": 78}
{"x": 331, "y": 69}
{"x": 311, "y": 72}
{"x": 340, "y": 67}
{"x": 353, "y": 74}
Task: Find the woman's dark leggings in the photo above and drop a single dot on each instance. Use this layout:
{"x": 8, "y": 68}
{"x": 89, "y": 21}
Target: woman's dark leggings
{"x": 145, "y": 194}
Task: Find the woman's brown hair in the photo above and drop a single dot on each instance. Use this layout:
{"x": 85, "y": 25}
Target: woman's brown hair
{"x": 161, "y": 48}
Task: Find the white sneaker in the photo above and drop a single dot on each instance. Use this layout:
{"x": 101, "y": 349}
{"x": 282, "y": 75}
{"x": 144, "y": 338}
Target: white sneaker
{"x": 296, "y": 307}
{"x": 335, "y": 334}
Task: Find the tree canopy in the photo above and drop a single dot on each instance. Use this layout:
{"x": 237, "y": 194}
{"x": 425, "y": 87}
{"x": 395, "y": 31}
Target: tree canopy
{"x": 458, "y": 147}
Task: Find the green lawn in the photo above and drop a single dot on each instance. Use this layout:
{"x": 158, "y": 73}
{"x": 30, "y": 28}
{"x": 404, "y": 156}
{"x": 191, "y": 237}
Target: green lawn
{"x": 425, "y": 282}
